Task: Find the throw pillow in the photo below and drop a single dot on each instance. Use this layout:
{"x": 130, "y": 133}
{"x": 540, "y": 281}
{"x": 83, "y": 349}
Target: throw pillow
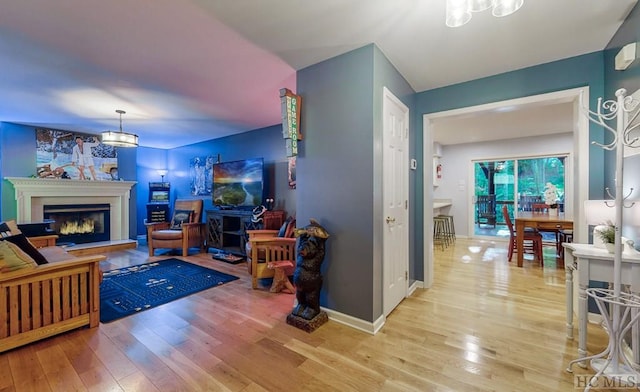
{"x": 286, "y": 230}
{"x": 291, "y": 226}
{"x": 12, "y": 258}
{"x": 180, "y": 217}
{"x": 283, "y": 228}
{"x": 27, "y": 247}
{"x": 13, "y": 227}
{"x": 5, "y": 230}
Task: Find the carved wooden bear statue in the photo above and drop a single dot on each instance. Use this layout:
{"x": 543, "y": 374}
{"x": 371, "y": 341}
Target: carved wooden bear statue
{"x": 307, "y": 277}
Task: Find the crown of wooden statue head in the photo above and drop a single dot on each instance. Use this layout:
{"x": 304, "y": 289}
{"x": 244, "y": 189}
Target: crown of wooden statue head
{"x": 313, "y": 229}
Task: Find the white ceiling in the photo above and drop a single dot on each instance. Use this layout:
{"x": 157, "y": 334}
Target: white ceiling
{"x": 203, "y": 69}
{"x": 543, "y": 118}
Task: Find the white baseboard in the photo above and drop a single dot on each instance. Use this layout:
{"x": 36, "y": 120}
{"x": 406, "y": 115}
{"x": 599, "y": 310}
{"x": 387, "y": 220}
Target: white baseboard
{"x": 353, "y": 322}
{"x": 418, "y": 284}
{"x": 594, "y": 318}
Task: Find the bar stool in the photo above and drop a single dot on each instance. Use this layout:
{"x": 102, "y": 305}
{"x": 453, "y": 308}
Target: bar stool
{"x": 439, "y": 232}
{"x": 449, "y": 227}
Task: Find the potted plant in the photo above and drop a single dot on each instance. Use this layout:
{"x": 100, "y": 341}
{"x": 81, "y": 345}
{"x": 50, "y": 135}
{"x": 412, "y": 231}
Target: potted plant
{"x": 607, "y": 234}
{"x": 551, "y": 198}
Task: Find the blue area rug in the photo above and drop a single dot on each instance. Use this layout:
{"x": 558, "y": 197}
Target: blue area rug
{"x": 130, "y": 290}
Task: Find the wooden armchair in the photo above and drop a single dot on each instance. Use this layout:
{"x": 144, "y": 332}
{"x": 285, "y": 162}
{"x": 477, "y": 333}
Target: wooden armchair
{"x": 188, "y": 235}
{"x": 271, "y": 256}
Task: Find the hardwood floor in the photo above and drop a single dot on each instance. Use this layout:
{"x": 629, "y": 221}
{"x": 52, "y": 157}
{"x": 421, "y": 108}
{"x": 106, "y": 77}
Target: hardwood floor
{"x": 485, "y": 325}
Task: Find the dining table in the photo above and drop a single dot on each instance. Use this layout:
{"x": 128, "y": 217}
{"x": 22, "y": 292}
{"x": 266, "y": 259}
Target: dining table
{"x": 540, "y": 221}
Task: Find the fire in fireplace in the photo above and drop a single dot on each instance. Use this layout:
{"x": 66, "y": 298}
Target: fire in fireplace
{"x": 79, "y": 223}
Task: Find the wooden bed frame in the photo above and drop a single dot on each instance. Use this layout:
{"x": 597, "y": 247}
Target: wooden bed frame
{"x": 49, "y": 299}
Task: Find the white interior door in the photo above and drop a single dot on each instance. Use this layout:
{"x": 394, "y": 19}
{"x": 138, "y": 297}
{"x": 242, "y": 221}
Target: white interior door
{"x": 395, "y": 199}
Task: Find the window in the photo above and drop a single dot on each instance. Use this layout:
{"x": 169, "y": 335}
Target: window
{"x": 497, "y": 177}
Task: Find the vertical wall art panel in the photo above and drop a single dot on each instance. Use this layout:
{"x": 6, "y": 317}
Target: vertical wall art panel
{"x": 201, "y": 174}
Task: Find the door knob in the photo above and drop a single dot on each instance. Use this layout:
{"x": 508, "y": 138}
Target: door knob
{"x": 390, "y": 219}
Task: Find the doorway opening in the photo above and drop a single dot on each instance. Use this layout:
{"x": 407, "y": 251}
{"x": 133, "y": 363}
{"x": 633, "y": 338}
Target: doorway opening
{"x": 577, "y": 165}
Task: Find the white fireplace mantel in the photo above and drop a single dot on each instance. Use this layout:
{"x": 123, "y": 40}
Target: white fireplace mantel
{"x": 32, "y": 194}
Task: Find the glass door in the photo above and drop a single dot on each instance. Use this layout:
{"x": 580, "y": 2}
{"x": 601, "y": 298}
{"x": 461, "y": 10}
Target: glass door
{"x": 534, "y": 174}
{"x": 496, "y": 185}
{"x": 494, "y": 181}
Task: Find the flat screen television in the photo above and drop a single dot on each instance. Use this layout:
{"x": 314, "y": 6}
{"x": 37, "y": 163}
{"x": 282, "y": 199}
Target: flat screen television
{"x": 238, "y": 184}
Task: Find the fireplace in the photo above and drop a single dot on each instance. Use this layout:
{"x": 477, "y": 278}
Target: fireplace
{"x": 32, "y": 194}
{"x": 79, "y": 224}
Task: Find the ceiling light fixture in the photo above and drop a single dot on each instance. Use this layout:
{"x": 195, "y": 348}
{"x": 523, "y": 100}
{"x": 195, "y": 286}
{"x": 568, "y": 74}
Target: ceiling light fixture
{"x": 120, "y": 139}
{"x": 459, "y": 12}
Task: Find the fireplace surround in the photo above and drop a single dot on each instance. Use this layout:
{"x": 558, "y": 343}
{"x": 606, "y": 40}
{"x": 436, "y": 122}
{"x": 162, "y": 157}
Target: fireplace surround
{"x": 32, "y": 194}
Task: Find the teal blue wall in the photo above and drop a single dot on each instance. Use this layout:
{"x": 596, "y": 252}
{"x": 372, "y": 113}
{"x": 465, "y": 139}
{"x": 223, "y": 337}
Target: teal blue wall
{"x": 628, "y": 79}
{"x": 14, "y": 141}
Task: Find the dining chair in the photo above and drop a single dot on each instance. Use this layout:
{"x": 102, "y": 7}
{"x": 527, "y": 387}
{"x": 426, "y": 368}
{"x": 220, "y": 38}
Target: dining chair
{"x": 542, "y": 208}
{"x": 532, "y": 240}
{"x": 539, "y": 208}
{"x": 525, "y": 203}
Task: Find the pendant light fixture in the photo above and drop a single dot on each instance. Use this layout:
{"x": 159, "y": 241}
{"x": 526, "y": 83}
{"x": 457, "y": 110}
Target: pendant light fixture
{"x": 120, "y": 139}
{"x": 480, "y": 5}
{"x": 506, "y": 7}
{"x": 458, "y": 12}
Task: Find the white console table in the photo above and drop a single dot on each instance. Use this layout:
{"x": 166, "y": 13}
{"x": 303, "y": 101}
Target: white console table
{"x": 592, "y": 263}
